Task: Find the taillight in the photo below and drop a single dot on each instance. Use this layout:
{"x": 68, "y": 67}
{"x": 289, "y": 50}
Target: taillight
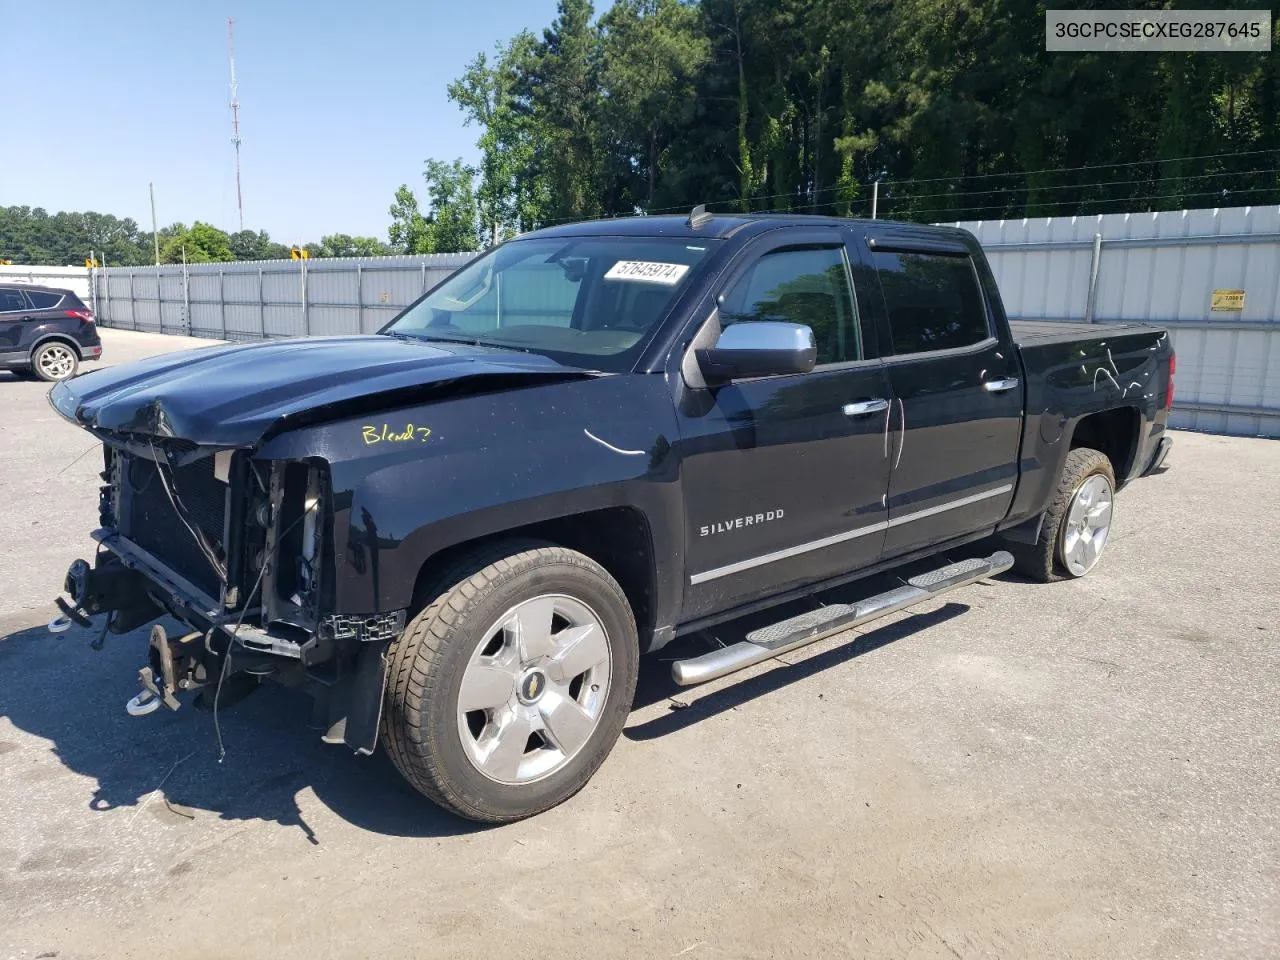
{"x": 1173, "y": 365}
{"x": 85, "y": 315}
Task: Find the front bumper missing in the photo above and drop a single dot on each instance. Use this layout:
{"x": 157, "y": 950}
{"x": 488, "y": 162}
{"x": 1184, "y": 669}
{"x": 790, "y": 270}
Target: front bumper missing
{"x": 348, "y": 692}
{"x": 201, "y": 611}
{"x": 182, "y": 595}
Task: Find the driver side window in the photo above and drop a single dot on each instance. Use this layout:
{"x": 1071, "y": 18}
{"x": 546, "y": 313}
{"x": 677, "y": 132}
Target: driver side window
{"x": 808, "y": 286}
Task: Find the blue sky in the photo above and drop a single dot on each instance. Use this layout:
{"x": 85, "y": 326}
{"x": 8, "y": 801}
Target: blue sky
{"x": 340, "y": 103}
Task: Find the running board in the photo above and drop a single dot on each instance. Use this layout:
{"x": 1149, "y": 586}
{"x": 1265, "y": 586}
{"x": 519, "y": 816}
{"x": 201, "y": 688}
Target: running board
{"x": 779, "y": 638}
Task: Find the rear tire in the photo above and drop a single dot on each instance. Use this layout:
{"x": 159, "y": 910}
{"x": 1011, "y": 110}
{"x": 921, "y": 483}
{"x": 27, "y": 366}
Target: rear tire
{"x": 54, "y": 361}
{"x": 1047, "y": 559}
{"x": 544, "y": 643}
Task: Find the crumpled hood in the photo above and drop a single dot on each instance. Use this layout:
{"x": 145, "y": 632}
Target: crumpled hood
{"x": 234, "y": 395}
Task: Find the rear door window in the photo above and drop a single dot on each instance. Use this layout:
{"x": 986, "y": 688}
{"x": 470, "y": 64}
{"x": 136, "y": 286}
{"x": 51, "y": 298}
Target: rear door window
{"x": 42, "y": 300}
{"x": 12, "y": 300}
{"x": 933, "y": 301}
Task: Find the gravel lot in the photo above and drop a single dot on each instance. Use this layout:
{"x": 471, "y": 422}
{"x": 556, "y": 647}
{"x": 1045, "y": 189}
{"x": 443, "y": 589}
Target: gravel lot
{"x": 1085, "y": 769}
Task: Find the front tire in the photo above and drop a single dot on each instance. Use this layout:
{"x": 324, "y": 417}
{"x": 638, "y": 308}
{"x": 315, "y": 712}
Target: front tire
{"x": 1077, "y": 524}
{"x": 509, "y": 689}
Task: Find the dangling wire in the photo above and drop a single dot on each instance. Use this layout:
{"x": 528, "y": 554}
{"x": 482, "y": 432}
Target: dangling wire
{"x": 201, "y": 540}
{"x": 226, "y": 657}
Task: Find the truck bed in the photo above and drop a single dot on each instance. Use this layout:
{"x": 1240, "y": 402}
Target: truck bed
{"x": 1045, "y": 332}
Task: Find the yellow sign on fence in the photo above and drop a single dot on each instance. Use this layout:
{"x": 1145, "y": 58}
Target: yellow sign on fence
{"x": 1227, "y": 300}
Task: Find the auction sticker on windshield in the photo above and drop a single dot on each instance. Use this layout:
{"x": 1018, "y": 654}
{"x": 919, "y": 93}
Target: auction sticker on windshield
{"x": 647, "y": 271}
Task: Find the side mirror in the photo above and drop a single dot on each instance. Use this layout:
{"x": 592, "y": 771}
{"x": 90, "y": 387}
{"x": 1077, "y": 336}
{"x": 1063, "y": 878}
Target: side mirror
{"x": 758, "y": 348}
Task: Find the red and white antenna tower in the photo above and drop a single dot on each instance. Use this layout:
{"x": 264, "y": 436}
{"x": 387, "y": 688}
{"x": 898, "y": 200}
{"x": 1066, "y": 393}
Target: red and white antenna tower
{"x": 235, "y": 114}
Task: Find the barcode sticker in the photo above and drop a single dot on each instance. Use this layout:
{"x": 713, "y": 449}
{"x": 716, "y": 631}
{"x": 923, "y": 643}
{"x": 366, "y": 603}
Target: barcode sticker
{"x": 647, "y": 271}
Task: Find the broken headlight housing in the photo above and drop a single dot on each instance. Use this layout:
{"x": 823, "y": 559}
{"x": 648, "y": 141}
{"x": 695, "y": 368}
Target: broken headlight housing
{"x": 288, "y": 554}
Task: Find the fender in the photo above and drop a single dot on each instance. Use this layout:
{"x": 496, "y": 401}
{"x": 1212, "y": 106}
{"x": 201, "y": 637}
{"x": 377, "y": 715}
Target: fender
{"x": 409, "y": 483}
{"x": 1066, "y": 384}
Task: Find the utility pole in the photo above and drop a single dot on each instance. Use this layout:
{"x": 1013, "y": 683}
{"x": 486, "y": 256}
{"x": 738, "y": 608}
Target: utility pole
{"x": 155, "y": 234}
{"x": 235, "y": 114}
{"x": 875, "y": 197}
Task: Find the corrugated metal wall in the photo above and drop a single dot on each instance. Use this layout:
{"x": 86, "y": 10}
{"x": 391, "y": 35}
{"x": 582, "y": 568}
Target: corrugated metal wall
{"x": 1162, "y": 268}
{"x": 268, "y": 298}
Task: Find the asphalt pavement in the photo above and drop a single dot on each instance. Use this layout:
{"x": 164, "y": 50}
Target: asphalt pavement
{"x": 1083, "y": 769}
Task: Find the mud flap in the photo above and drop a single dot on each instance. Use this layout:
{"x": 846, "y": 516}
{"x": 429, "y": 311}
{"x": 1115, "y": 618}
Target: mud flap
{"x": 1028, "y": 531}
{"x": 357, "y": 697}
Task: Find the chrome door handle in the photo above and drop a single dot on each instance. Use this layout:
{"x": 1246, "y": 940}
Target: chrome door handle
{"x": 1000, "y": 386}
{"x": 863, "y": 407}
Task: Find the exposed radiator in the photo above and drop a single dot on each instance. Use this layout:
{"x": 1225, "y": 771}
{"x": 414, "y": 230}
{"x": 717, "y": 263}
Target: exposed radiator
{"x": 156, "y": 527}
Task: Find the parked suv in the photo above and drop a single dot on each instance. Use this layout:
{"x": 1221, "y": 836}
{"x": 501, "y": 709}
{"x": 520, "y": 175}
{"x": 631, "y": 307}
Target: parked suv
{"x": 45, "y": 332}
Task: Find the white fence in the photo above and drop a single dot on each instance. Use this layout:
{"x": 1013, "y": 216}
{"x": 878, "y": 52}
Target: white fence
{"x": 255, "y": 300}
{"x": 1211, "y": 276}
{"x": 75, "y": 279}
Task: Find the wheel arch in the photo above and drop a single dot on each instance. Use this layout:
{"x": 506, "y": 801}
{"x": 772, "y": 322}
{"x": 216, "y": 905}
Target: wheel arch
{"x": 1115, "y": 432}
{"x": 63, "y": 338}
{"x": 619, "y": 538}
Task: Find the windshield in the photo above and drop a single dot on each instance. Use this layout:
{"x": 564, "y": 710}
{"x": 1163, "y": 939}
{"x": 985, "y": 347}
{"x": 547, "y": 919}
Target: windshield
{"x": 586, "y": 301}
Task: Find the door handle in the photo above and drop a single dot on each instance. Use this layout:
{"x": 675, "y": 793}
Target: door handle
{"x": 1000, "y": 386}
{"x": 863, "y": 407}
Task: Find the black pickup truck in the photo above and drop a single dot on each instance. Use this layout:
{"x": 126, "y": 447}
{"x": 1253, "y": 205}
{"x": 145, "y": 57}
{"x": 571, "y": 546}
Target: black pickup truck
{"x": 460, "y": 534}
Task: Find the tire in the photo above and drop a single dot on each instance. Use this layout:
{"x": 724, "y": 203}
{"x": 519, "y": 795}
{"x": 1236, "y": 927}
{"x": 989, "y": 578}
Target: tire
{"x": 482, "y": 626}
{"x": 54, "y": 361}
{"x": 1047, "y": 559}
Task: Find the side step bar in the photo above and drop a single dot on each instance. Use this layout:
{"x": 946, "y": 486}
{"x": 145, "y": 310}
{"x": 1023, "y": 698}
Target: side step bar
{"x": 779, "y": 638}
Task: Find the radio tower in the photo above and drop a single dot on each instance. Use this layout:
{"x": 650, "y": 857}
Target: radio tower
{"x": 235, "y": 114}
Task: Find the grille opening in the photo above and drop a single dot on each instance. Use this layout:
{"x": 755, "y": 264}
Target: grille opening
{"x": 155, "y": 526}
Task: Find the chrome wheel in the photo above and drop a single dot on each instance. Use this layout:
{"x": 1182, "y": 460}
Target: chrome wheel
{"x": 1084, "y": 532}
{"x": 534, "y": 689}
{"x": 56, "y": 362}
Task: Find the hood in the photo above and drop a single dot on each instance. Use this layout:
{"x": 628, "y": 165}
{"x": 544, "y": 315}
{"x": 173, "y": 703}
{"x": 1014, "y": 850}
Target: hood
{"x": 236, "y": 395}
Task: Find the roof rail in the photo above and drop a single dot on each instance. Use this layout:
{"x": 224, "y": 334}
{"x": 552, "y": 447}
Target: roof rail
{"x": 698, "y": 216}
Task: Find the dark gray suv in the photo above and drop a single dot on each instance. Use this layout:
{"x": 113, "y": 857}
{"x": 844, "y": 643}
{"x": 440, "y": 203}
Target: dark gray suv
{"x": 45, "y": 332}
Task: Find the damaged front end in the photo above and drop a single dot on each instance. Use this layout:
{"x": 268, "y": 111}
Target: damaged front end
{"x": 200, "y": 522}
{"x": 240, "y": 551}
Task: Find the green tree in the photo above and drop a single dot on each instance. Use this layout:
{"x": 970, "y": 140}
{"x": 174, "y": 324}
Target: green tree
{"x": 32, "y": 235}
{"x": 199, "y": 243}
{"x": 511, "y": 195}
{"x": 451, "y": 224}
{"x": 561, "y": 88}
{"x": 345, "y": 245}
{"x": 408, "y": 231}
{"x": 802, "y": 104}
{"x": 248, "y": 245}
{"x": 453, "y": 221}
{"x": 652, "y": 52}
